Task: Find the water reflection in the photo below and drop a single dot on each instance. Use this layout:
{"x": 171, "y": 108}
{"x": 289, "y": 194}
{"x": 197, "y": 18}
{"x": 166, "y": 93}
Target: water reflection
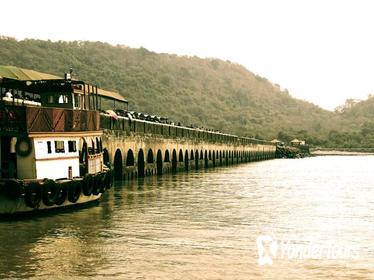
{"x": 203, "y": 225}
{"x": 39, "y": 246}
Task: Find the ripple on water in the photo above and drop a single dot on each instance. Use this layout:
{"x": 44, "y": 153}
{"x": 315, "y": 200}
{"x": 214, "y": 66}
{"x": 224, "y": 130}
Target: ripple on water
{"x": 204, "y": 225}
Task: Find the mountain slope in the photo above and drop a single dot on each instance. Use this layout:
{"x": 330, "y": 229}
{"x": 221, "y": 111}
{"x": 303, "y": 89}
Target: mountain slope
{"x": 205, "y": 92}
{"x": 361, "y": 116}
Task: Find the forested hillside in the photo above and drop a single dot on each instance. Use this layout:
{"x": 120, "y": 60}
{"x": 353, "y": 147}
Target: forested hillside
{"x": 362, "y": 116}
{"x": 212, "y": 93}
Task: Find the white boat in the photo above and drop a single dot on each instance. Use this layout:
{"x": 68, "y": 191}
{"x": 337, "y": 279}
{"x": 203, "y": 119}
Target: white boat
{"x": 51, "y": 153}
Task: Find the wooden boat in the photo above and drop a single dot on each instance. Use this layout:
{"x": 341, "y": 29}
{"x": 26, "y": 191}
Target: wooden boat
{"x": 51, "y": 153}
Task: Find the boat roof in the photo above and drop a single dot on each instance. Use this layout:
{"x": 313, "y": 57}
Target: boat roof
{"x": 21, "y": 74}
{"x": 111, "y": 94}
{"x": 16, "y": 73}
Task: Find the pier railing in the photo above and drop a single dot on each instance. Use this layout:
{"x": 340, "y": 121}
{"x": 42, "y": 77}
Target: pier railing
{"x": 167, "y": 130}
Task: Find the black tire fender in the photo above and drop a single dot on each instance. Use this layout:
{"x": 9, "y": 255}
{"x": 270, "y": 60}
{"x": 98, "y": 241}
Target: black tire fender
{"x": 97, "y": 184}
{"x": 49, "y": 194}
{"x": 88, "y": 184}
{"x": 74, "y": 191}
{"x": 62, "y": 193}
{"x": 33, "y": 194}
{"x": 12, "y": 188}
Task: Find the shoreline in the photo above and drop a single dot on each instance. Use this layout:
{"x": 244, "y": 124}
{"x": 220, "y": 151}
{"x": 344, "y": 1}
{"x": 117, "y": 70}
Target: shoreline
{"x": 339, "y": 153}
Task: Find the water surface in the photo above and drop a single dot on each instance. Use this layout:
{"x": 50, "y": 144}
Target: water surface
{"x": 204, "y": 225}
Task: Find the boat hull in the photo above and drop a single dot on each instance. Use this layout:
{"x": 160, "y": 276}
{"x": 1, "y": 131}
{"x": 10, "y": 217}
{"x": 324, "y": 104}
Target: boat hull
{"x": 18, "y": 206}
{"x": 20, "y": 197}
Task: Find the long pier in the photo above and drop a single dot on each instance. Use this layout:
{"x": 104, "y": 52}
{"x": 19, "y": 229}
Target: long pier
{"x": 138, "y": 148}
{"x": 132, "y": 147}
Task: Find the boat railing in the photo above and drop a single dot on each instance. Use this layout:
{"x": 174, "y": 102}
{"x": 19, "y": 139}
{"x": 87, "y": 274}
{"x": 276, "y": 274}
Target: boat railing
{"x": 25, "y": 119}
{"x": 95, "y": 163}
{"x": 18, "y": 101}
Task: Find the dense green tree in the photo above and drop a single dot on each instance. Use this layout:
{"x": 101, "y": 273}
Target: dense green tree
{"x": 212, "y": 93}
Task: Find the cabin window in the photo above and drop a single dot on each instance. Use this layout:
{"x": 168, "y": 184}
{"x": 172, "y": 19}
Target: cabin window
{"x": 63, "y": 99}
{"x": 50, "y": 99}
{"x": 97, "y": 146}
{"x": 59, "y": 147}
{"x": 77, "y": 101}
{"x": 37, "y": 98}
{"x": 49, "y": 147}
{"x": 83, "y": 102}
{"x": 72, "y": 146}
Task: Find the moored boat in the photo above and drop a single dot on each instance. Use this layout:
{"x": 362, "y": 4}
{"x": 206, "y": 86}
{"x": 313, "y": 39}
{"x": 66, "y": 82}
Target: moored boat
{"x": 51, "y": 153}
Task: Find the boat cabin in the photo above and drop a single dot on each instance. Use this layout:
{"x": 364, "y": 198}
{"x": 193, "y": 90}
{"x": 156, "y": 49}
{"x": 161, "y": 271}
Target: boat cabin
{"x": 56, "y": 93}
{"x": 49, "y": 129}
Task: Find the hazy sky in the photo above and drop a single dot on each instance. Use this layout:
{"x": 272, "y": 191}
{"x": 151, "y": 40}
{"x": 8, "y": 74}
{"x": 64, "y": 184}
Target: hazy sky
{"x": 320, "y": 50}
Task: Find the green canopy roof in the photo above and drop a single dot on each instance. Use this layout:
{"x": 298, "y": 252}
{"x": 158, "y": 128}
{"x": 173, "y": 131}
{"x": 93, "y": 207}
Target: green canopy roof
{"x": 17, "y": 73}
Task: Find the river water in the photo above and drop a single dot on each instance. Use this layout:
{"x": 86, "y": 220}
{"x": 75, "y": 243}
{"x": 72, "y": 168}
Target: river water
{"x": 204, "y": 225}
